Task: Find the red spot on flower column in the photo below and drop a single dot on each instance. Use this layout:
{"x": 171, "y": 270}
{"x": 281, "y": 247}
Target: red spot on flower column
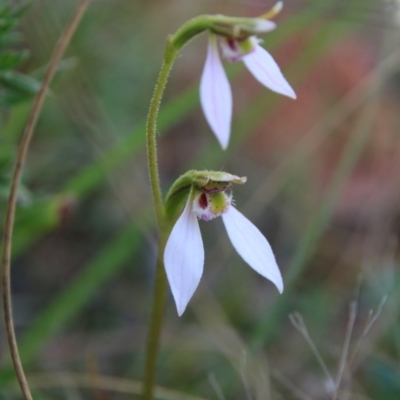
{"x": 203, "y": 201}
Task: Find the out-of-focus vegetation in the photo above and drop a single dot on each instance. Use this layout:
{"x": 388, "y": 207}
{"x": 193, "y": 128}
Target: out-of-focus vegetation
{"x": 322, "y": 186}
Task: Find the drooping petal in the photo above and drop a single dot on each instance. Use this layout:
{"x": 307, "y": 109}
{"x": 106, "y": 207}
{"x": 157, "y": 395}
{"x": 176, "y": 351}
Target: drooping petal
{"x": 216, "y": 95}
{"x": 252, "y": 246}
{"x": 184, "y": 258}
{"x": 264, "y": 68}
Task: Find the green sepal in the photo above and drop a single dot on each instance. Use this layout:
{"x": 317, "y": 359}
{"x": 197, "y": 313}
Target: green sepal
{"x": 178, "y": 195}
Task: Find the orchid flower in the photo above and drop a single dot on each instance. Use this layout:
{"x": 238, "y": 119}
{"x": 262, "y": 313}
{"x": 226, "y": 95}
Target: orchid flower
{"x": 215, "y": 92}
{"x": 184, "y": 252}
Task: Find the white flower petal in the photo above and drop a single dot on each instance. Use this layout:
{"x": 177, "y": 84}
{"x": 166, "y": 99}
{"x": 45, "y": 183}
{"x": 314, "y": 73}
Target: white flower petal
{"x": 184, "y": 258}
{"x": 261, "y": 64}
{"x": 252, "y": 246}
{"x": 216, "y": 95}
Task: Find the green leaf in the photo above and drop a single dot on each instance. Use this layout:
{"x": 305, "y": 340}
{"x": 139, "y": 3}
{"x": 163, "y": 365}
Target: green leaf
{"x": 17, "y": 81}
{"x": 11, "y": 59}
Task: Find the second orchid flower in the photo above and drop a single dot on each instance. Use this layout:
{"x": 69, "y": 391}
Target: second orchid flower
{"x": 207, "y": 196}
{"x": 215, "y": 91}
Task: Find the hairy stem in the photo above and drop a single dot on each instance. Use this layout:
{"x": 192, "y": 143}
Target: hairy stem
{"x": 151, "y": 132}
{"x": 59, "y": 50}
{"x": 160, "y": 287}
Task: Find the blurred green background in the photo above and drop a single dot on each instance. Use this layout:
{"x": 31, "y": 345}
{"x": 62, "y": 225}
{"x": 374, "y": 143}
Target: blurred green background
{"x": 323, "y": 186}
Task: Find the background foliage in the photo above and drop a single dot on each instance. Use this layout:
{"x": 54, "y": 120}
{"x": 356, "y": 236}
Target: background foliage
{"x": 322, "y": 186}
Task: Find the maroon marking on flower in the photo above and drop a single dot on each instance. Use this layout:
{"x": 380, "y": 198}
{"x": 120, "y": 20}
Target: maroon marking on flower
{"x": 203, "y": 201}
{"x": 231, "y": 43}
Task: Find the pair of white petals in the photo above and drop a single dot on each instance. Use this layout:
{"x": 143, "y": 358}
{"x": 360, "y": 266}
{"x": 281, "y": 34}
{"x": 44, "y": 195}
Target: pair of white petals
{"x": 215, "y": 91}
{"x": 184, "y": 253}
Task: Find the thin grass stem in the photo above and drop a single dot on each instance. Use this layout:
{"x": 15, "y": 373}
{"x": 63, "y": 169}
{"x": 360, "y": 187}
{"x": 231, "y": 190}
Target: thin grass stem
{"x": 297, "y": 321}
{"x": 372, "y": 317}
{"x": 58, "y": 52}
{"x": 346, "y": 345}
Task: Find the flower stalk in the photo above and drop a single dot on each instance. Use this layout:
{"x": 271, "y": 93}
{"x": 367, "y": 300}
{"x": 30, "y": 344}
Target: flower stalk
{"x": 151, "y": 131}
{"x": 160, "y": 287}
{"x": 156, "y": 320}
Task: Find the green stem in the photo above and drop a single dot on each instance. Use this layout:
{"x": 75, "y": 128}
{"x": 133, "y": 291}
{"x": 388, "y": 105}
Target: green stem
{"x": 156, "y": 320}
{"x": 151, "y": 131}
{"x": 160, "y": 287}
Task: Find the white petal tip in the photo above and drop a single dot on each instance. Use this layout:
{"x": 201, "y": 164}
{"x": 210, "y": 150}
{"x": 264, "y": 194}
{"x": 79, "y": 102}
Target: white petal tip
{"x": 279, "y": 286}
{"x": 286, "y": 90}
{"x": 224, "y": 146}
{"x": 276, "y": 278}
{"x": 221, "y": 133}
{"x": 263, "y": 25}
{"x": 291, "y": 94}
{"x": 180, "y": 310}
{"x": 277, "y": 8}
